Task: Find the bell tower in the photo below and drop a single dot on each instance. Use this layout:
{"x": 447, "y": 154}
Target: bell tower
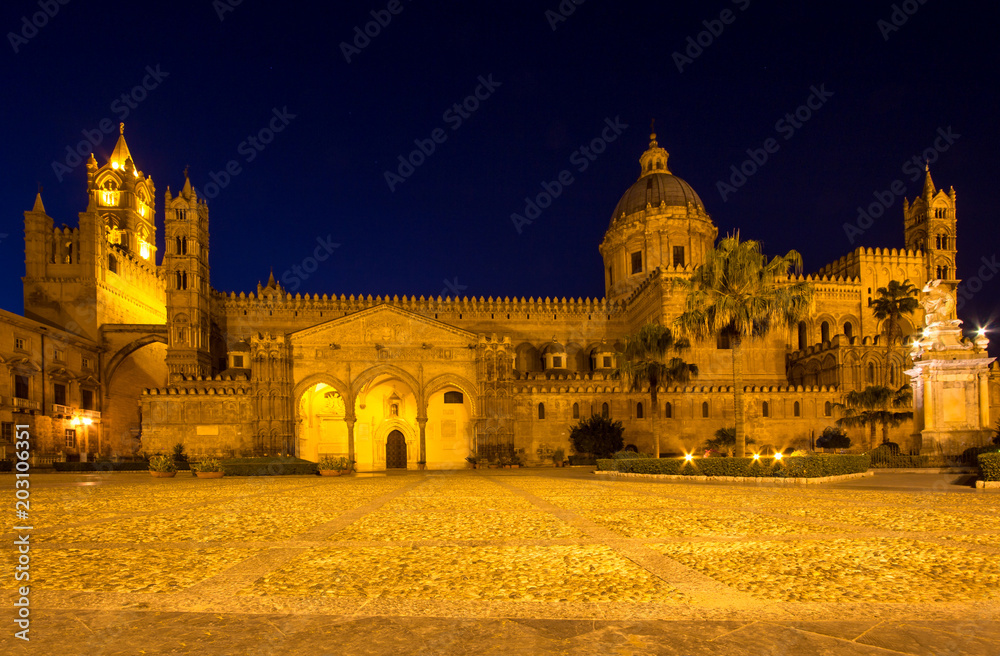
{"x": 930, "y": 226}
{"x": 185, "y": 269}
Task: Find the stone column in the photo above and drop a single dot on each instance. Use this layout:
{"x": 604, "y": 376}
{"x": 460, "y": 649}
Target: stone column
{"x": 928, "y": 403}
{"x": 984, "y": 400}
{"x": 422, "y": 423}
{"x": 350, "y": 437}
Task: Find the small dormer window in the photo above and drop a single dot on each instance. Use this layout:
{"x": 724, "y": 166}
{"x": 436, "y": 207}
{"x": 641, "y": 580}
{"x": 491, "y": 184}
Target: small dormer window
{"x": 237, "y": 362}
{"x": 606, "y": 362}
{"x": 557, "y": 362}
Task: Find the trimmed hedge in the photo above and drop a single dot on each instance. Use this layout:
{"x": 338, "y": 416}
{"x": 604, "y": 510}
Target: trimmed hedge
{"x": 902, "y": 462}
{"x": 814, "y": 466}
{"x": 989, "y": 464}
{"x": 279, "y": 466}
{"x": 101, "y": 465}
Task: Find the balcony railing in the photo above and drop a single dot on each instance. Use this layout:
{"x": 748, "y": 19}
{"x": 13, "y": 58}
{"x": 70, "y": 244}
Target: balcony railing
{"x": 58, "y": 409}
{"x": 90, "y": 414}
{"x": 25, "y": 404}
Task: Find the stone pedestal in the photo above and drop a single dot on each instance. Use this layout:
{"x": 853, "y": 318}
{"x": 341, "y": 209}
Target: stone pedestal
{"x": 950, "y": 379}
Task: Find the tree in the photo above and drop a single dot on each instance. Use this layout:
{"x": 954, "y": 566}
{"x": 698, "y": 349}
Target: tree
{"x": 833, "y": 437}
{"x": 891, "y": 303}
{"x": 739, "y": 293}
{"x": 874, "y": 406}
{"x": 725, "y": 440}
{"x": 598, "y": 435}
{"x": 644, "y": 361}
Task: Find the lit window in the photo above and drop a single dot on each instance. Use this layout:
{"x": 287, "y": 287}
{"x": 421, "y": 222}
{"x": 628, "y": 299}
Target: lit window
{"x": 70, "y": 438}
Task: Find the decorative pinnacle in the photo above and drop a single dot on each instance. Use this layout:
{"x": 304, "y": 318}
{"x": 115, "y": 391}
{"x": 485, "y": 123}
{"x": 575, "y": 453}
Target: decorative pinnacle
{"x": 121, "y": 128}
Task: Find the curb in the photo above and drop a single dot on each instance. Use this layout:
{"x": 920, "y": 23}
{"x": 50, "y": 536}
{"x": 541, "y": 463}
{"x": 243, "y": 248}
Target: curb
{"x": 988, "y": 485}
{"x": 744, "y": 479}
{"x": 926, "y": 470}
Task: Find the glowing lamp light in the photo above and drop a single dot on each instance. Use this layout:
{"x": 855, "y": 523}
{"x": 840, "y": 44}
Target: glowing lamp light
{"x": 135, "y": 173}
{"x": 777, "y": 456}
{"x": 689, "y": 457}
{"x": 756, "y": 456}
{"x": 76, "y": 421}
{"x": 87, "y": 421}
{"x": 144, "y": 250}
{"x": 982, "y": 331}
{"x": 114, "y": 165}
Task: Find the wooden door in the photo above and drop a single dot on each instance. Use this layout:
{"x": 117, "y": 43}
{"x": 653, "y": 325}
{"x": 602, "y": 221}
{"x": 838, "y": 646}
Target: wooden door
{"x": 395, "y": 451}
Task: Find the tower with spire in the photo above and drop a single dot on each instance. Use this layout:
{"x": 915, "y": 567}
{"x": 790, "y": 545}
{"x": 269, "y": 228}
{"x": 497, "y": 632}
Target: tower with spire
{"x": 930, "y": 227}
{"x": 104, "y": 270}
{"x": 186, "y": 272}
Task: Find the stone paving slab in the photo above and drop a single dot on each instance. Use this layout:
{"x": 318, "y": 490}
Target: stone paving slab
{"x": 508, "y": 562}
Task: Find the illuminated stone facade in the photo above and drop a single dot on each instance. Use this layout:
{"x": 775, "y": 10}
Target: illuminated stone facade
{"x": 392, "y": 381}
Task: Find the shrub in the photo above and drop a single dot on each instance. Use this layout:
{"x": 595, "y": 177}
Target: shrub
{"x": 179, "y": 455}
{"x": 901, "y": 462}
{"x": 274, "y": 466}
{"x": 989, "y": 465}
{"x": 597, "y": 435}
{"x": 210, "y": 465}
{"x": 814, "y": 466}
{"x": 558, "y": 455}
{"x": 833, "y": 437}
{"x": 624, "y": 455}
{"x": 161, "y": 464}
{"x": 725, "y": 441}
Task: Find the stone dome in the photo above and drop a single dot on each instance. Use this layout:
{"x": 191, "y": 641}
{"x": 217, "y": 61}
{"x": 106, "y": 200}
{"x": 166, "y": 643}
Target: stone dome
{"x": 654, "y": 189}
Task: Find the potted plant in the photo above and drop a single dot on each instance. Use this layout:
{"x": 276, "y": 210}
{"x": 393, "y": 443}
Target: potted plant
{"x": 482, "y": 463}
{"x": 558, "y": 456}
{"x": 494, "y": 464}
{"x": 162, "y": 467}
{"x": 210, "y": 468}
{"x": 515, "y": 462}
{"x": 348, "y": 466}
{"x": 471, "y": 460}
{"x": 331, "y": 466}
{"x": 180, "y": 458}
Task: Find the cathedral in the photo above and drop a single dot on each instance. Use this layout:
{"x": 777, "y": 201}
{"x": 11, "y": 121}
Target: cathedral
{"x": 122, "y": 349}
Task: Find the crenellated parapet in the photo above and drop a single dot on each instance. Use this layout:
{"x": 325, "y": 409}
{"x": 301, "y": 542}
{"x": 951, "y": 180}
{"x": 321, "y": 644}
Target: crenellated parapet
{"x": 237, "y": 303}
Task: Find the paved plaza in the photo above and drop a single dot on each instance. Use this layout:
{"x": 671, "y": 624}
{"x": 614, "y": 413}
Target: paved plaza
{"x": 507, "y": 562}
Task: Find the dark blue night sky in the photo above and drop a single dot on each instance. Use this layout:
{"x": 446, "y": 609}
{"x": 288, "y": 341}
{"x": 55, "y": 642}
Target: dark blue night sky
{"x": 216, "y": 75}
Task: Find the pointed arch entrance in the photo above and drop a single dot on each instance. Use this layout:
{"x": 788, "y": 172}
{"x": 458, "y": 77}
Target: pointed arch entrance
{"x": 395, "y": 450}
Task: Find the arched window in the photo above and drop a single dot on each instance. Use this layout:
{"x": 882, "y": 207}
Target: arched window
{"x": 797, "y": 409}
{"x": 828, "y": 409}
{"x": 639, "y": 411}
{"x": 576, "y": 411}
{"x": 871, "y": 372}
{"x": 704, "y": 409}
{"x": 453, "y": 397}
{"x": 848, "y": 329}
{"x": 824, "y": 330}
{"x": 112, "y": 264}
{"x": 765, "y": 409}
{"x": 803, "y": 339}
{"x": 541, "y": 411}
{"x": 605, "y": 411}
{"x": 668, "y": 411}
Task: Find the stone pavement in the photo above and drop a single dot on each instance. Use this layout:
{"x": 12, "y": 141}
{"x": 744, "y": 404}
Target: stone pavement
{"x": 507, "y": 561}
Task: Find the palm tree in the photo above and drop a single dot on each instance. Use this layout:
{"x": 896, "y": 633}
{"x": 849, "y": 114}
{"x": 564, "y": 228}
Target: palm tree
{"x": 738, "y": 292}
{"x": 644, "y": 361}
{"x": 892, "y": 302}
{"x": 874, "y": 406}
